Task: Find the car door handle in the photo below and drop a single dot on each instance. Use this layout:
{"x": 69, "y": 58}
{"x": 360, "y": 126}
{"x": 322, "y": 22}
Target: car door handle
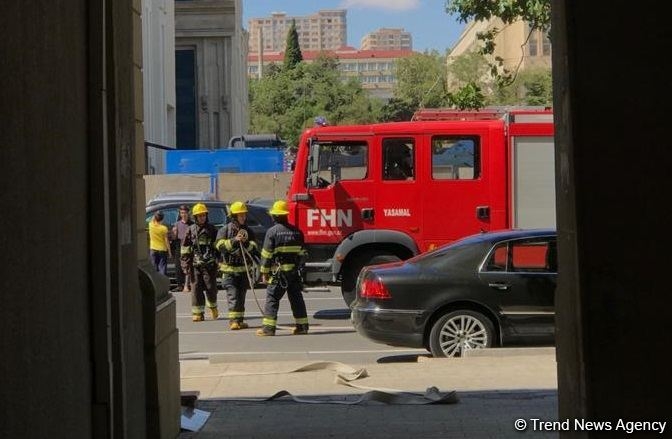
{"x": 499, "y": 286}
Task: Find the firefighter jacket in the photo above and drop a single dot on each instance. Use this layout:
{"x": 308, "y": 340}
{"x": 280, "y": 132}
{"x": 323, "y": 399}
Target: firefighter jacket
{"x": 283, "y": 249}
{"x": 199, "y": 244}
{"x": 232, "y": 255}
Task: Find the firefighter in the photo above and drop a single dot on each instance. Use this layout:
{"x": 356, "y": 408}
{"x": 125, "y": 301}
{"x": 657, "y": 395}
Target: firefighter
{"x": 199, "y": 246}
{"x": 281, "y": 258}
{"x": 235, "y": 242}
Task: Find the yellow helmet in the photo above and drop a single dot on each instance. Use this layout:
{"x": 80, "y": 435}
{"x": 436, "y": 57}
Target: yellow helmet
{"x": 238, "y": 207}
{"x": 279, "y": 208}
{"x": 198, "y": 209}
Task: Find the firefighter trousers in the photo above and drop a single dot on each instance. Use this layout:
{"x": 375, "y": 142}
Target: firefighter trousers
{"x": 236, "y": 286}
{"x": 204, "y": 288}
{"x": 291, "y": 284}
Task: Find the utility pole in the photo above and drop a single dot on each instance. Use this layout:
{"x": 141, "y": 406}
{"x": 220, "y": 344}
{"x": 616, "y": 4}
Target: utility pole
{"x": 260, "y": 54}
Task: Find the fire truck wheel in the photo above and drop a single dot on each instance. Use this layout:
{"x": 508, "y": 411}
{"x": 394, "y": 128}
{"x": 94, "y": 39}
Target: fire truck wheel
{"x": 352, "y": 269}
{"x": 459, "y": 331}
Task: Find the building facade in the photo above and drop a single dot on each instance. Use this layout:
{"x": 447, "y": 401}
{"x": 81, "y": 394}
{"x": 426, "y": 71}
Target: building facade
{"x": 516, "y": 44}
{"x": 211, "y": 87}
{"x": 158, "y": 79}
{"x": 324, "y": 30}
{"x": 387, "y": 39}
{"x": 375, "y": 69}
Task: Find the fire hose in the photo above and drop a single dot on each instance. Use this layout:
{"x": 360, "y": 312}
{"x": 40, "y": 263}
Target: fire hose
{"x": 252, "y": 266}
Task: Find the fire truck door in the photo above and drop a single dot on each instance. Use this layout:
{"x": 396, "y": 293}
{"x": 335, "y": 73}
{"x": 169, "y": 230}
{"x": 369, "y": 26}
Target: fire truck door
{"x": 456, "y": 193}
{"x": 339, "y": 191}
{"x": 397, "y": 205}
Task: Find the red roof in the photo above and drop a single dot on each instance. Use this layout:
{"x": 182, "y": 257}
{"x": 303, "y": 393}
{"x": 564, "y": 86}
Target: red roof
{"x": 344, "y": 53}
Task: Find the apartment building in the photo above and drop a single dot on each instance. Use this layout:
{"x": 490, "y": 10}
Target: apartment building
{"x": 516, "y": 44}
{"x": 324, "y": 30}
{"x": 387, "y": 39}
{"x": 375, "y": 69}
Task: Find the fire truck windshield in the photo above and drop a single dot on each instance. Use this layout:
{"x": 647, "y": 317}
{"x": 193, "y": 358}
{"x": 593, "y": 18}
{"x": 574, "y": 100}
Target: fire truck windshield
{"x": 330, "y": 162}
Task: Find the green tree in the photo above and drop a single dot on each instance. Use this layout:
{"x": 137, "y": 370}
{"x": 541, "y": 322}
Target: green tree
{"x": 471, "y": 67}
{"x": 397, "y": 110}
{"x": 421, "y": 80}
{"x": 288, "y": 101}
{"x": 293, "y": 55}
{"x": 536, "y": 13}
{"x": 531, "y": 87}
{"x": 468, "y": 97}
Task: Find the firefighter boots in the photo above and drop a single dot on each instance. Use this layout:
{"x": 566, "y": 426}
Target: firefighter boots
{"x": 300, "y": 329}
{"x": 197, "y": 317}
{"x": 235, "y": 325}
{"x": 214, "y": 312}
{"x": 266, "y": 331}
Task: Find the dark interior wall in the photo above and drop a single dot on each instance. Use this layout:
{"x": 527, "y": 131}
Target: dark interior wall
{"x": 44, "y": 317}
{"x": 71, "y": 334}
{"x": 613, "y": 167}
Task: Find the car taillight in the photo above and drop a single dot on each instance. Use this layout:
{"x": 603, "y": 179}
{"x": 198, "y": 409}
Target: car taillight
{"x": 373, "y": 288}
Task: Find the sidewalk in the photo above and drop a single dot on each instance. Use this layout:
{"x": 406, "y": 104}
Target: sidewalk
{"x": 494, "y": 387}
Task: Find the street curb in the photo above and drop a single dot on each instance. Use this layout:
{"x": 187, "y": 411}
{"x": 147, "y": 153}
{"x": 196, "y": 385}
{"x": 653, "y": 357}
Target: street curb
{"x": 509, "y": 352}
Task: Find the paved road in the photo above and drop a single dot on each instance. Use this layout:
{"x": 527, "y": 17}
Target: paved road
{"x": 331, "y": 338}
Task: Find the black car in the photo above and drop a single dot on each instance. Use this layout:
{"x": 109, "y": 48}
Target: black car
{"x": 258, "y": 218}
{"x": 486, "y": 290}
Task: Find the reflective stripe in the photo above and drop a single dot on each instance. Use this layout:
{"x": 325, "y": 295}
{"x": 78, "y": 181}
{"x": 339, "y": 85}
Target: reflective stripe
{"x": 236, "y": 314}
{"x": 266, "y": 254}
{"x": 268, "y": 322}
{"x": 287, "y": 267}
{"x": 225, "y": 268}
{"x": 228, "y": 244}
{"x": 302, "y": 321}
{"x": 265, "y": 269}
{"x": 220, "y": 243}
{"x": 210, "y": 304}
{"x": 197, "y": 309}
{"x": 251, "y": 246}
{"x": 185, "y": 250}
{"x": 289, "y": 249}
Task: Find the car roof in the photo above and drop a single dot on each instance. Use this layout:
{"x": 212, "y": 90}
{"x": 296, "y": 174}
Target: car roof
{"x": 184, "y": 196}
{"x": 189, "y": 203}
{"x": 504, "y": 234}
{"x": 257, "y": 207}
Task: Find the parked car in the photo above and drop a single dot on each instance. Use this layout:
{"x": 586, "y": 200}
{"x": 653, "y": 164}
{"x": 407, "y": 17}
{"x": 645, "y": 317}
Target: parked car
{"x": 187, "y": 197}
{"x": 258, "y": 218}
{"x": 486, "y": 290}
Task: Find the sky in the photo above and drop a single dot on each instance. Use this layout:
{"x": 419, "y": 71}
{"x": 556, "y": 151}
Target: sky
{"x": 426, "y": 20}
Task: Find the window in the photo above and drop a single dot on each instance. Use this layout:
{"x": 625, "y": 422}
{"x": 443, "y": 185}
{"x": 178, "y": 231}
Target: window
{"x": 524, "y": 256}
{"x": 185, "y": 96}
{"x": 532, "y": 45}
{"x": 398, "y": 159}
{"x": 455, "y": 158}
{"x": 170, "y": 216}
{"x": 338, "y": 161}
{"x": 499, "y": 259}
{"x": 546, "y": 45}
{"x": 529, "y": 256}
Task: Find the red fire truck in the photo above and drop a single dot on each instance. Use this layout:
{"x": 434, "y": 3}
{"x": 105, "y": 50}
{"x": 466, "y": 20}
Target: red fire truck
{"x": 369, "y": 194}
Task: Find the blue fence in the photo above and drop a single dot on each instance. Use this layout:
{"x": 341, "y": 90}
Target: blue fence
{"x": 204, "y": 161}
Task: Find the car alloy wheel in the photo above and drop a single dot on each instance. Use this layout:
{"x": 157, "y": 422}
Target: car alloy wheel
{"x": 459, "y": 331}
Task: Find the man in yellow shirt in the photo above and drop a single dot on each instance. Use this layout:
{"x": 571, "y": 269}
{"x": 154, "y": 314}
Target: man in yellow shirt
{"x": 159, "y": 247}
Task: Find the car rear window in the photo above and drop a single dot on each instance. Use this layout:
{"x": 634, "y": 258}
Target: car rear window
{"x": 216, "y": 215}
{"x": 538, "y": 255}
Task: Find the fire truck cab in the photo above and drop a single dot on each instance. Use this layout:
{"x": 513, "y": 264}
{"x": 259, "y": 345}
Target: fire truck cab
{"x": 369, "y": 194}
